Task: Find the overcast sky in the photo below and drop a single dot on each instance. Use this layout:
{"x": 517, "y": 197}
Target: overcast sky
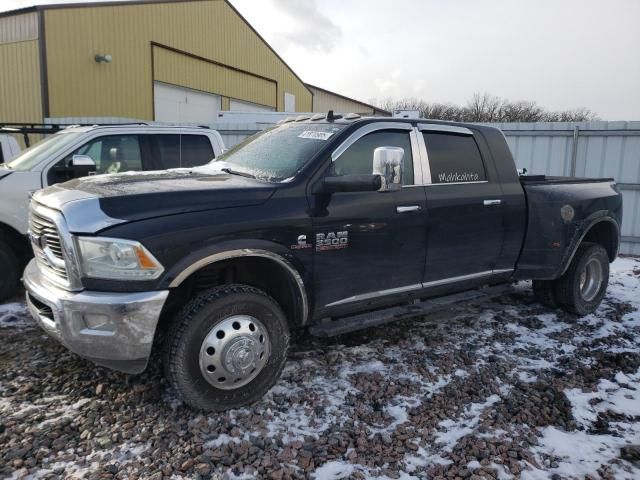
{"x": 561, "y": 54}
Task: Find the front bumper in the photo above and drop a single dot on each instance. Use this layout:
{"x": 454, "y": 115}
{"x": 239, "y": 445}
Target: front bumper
{"x": 115, "y": 330}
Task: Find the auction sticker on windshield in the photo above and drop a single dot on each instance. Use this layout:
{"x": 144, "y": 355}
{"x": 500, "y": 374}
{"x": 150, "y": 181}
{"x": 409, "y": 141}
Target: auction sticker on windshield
{"x": 315, "y": 135}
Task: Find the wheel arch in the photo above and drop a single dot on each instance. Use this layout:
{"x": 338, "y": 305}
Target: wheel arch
{"x": 604, "y": 231}
{"x": 258, "y": 267}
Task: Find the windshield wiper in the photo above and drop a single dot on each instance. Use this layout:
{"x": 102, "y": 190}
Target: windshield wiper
{"x": 237, "y": 172}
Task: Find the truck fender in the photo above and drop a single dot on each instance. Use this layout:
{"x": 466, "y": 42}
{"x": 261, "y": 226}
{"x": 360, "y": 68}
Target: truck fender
{"x": 242, "y": 248}
{"x": 583, "y": 229}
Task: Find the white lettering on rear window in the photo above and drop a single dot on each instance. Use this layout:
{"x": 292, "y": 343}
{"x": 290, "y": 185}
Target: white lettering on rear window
{"x": 455, "y": 177}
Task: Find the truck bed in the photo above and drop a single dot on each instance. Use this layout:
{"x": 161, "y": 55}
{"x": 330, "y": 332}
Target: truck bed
{"x": 560, "y": 211}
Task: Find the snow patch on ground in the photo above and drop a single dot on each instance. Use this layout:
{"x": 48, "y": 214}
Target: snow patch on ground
{"x": 454, "y": 430}
{"x": 15, "y": 315}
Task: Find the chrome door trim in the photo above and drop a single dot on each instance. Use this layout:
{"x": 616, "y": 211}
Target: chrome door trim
{"x": 444, "y": 128}
{"x": 457, "y": 183}
{"x": 248, "y": 252}
{"x": 489, "y": 203}
{"x": 417, "y": 286}
{"x": 377, "y": 293}
{"x": 424, "y": 158}
{"x": 416, "y": 153}
{"x": 503, "y": 270}
{"x": 460, "y": 278}
{"x": 361, "y": 132}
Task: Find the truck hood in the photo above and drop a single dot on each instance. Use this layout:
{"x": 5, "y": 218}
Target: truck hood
{"x": 143, "y": 195}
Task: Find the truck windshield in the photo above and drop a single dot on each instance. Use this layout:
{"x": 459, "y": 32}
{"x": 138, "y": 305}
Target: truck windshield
{"x": 42, "y": 151}
{"x": 276, "y": 154}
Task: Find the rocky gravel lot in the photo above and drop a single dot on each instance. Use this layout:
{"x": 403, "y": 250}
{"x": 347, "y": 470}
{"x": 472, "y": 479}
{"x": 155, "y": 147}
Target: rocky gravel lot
{"x": 500, "y": 390}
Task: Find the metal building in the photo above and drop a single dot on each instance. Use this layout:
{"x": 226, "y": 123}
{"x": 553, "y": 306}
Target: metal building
{"x": 325, "y": 100}
{"x": 163, "y": 60}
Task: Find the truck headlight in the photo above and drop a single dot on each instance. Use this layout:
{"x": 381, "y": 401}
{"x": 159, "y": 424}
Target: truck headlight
{"x": 117, "y": 259}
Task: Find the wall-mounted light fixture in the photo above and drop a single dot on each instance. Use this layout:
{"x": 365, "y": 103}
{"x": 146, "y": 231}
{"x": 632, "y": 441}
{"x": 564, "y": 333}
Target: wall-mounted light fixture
{"x": 103, "y": 58}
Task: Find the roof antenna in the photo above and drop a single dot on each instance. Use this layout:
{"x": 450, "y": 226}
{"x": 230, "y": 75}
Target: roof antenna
{"x": 332, "y": 116}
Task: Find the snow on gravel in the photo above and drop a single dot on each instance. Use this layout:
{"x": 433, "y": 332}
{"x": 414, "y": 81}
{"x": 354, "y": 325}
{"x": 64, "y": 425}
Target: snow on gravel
{"x": 508, "y": 389}
{"x": 14, "y": 315}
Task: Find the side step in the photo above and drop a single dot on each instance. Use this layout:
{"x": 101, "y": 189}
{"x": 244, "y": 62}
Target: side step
{"x": 338, "y": 326}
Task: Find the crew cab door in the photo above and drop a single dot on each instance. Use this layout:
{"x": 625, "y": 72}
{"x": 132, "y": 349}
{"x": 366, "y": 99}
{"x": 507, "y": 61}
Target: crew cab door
{"x": 464, "y": 207}
{"x": 379, "y": 237}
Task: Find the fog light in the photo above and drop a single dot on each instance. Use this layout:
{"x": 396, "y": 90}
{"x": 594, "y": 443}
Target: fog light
{"x": 97, "y": 321}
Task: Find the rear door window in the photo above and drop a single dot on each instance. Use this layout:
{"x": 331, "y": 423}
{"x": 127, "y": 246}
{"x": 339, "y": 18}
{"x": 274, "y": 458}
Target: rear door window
{"x": 174, "y": 151}
{"x": 165, "y": 152}
{"x": 195, "y": 150}
{"x": 454, "y": 158}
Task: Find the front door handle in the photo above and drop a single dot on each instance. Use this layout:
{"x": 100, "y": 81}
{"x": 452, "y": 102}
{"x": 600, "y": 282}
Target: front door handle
{"x": 408, "y": 208}
{"x": 488, "y": 203}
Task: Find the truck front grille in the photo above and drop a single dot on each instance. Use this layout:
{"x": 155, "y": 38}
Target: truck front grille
{"x": 47, "y": 246}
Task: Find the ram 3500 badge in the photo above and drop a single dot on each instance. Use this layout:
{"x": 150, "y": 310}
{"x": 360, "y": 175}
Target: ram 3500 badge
{"x": 326, "y": 224}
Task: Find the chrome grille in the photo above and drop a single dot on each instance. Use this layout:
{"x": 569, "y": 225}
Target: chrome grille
{"x": 47, "y": 246}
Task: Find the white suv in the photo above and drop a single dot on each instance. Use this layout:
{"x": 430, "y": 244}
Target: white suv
{"x": 80, "y": 151}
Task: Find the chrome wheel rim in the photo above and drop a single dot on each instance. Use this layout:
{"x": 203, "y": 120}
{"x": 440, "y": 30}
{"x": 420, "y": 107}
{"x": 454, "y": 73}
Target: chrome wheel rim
{"x": 591, "y": 280}
{"x": 234, "y": 352}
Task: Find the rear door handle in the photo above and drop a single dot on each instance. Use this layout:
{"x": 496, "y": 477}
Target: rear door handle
{"x": 488, "y": 203}
{"x": 408, "y": 208}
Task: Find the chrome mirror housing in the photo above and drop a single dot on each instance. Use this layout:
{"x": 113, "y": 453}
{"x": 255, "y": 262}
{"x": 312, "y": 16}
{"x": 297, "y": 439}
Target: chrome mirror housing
{"x": 388, "y": 162}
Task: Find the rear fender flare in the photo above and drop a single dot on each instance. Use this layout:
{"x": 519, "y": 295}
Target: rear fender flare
{"x": 581, "y": 232}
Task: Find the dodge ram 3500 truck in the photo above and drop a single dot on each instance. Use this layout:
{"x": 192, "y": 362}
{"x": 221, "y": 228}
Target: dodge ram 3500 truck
{"x": 324, "y": 223}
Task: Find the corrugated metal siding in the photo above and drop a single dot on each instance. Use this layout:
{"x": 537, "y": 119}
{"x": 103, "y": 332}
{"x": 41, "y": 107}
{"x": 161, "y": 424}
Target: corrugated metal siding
{"x": 19, "y": 28}
{"x": 324, "y": 101}
{"x": 178, "y": 69}
{"x": 20, "y": 82}
{"x": 602, "y": 149}
{"x": 78, "y": 86}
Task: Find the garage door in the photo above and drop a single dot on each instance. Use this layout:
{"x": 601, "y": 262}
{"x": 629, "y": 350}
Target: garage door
{"x": 182, "y": 105}
{"x": 240, "y": 106}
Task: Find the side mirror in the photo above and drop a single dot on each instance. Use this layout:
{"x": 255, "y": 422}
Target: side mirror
{"x": 388, "y": 162}
{"x": 352, "y": 183}
{"x": 82, "y": 166}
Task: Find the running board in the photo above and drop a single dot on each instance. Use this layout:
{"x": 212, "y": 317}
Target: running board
{"x": 338, "y": 326}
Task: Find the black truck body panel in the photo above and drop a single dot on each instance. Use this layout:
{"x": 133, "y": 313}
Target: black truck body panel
{"x": 454, "y": 242}
{"x": 551, "y": 239}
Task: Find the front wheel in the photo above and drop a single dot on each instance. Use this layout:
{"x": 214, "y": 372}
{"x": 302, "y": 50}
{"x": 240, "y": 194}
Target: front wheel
{"x": 581, "y": 289}
{"x": 226, "y": 348}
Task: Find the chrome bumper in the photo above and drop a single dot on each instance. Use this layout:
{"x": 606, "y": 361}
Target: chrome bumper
{"x": 115, "y": 330}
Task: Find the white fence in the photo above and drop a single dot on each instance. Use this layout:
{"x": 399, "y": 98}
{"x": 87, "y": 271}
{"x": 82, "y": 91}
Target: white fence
{"x": 585, "y": 149}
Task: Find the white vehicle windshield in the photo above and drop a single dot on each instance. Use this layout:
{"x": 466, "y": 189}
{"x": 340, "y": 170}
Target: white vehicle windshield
{"x": 42, "y": 151}
{"x": 277, "y": 154}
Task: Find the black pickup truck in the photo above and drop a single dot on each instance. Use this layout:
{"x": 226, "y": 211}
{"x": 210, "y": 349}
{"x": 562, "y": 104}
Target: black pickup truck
{"x": 328, "y": 224}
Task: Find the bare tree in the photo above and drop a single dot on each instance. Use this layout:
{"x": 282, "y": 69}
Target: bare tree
{"x": 486, "y": 108}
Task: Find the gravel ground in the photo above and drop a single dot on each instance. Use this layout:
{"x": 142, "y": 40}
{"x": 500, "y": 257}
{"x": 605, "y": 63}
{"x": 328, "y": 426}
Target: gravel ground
{"x": 500, "y": 390}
